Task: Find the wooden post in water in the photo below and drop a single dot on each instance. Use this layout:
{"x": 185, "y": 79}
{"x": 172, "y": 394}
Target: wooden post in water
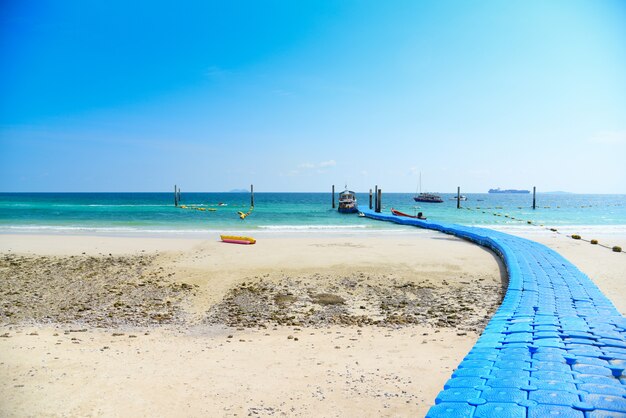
{"x": 534, "y": 200}
{"x": 179, "y": 195}
{"x": 370, "y": 199}
{"x": 458, "y": 197}
{"x": 252, "y": 195}
{"x": 376, "y": 198}
{"x": 333, "y": 196}
{"x": 380, "y": 200}
{"x": 175, "y": 197}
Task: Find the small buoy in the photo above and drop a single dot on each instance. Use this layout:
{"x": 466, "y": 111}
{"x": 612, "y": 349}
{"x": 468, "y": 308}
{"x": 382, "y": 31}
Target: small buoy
{"x": 553, "y": 229}
{"x": 529, "y": 222}
{"x": 576, "y": 236}
{"x": 594, "y": 241}
{"x": 617, "y": 249}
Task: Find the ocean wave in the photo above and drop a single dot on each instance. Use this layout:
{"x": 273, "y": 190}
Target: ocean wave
{"x": 111, "y": 229}
{"x": 599, "y": 229}
{"x": 313, "y": 227}
{"x": 129, "y": 206}
{"x": 265, "y": 230}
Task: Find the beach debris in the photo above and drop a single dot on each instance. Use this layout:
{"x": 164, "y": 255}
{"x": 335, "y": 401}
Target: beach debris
{"x": 357, "y": 300}
{"x": 327, "y": 299}
{"x": 103, "y": 291}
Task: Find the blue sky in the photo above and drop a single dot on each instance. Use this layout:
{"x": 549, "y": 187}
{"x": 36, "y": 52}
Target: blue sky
{"x": 296, "y": 96}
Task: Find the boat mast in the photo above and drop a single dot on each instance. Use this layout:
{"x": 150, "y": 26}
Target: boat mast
{"x": 420, "y": 182}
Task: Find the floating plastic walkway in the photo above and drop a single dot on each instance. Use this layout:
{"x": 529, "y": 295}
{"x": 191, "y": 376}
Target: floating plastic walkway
{"x": 556, "y": 347}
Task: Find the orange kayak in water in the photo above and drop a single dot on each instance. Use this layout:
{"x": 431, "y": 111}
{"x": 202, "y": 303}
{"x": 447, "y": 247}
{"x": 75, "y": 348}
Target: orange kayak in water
{"x": 398, "y": 213}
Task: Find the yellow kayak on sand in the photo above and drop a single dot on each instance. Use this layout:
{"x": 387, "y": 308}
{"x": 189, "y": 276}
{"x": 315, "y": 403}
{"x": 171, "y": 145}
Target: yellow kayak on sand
{"x": 231, "y": 239}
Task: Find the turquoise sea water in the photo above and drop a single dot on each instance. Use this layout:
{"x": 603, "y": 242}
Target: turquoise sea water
{"x": 123, "y": 213}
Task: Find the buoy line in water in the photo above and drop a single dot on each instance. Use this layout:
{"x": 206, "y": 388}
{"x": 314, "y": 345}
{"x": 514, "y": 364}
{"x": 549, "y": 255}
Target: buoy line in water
{"x": 614, "y": 248}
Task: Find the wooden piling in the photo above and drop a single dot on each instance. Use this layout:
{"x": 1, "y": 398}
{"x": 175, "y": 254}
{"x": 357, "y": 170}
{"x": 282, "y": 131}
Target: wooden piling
{"x": 179, "y": 195}
{"x": 534, "y": 199}
{"x": 175, "y": 197}
{"x": 333, "y": 196}
{"x": 458, "y": 197}
{"x": 252, "y": 195}
{"x": 380, "y": 200}
{"x": 376, "y": 198}
{"x": 370, "y": 199}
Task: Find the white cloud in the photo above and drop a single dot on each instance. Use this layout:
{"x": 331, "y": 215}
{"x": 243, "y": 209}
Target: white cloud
{"x": 609, "y": 138}
{"x": 318, "y": 166}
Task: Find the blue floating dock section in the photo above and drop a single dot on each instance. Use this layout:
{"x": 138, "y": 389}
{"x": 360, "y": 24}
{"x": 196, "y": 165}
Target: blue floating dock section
{"x": 555, "y": 347}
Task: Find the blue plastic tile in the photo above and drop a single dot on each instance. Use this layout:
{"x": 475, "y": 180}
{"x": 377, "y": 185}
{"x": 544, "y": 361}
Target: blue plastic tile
{"x": 548, "y": 375}
{"x": 551, "y": 366}
{"x": 553, "y": 397}
{"x": 598, "y": 413}
{"x": 472, "y": 372}
{"x": 500, "y": 410}
{"x": 597, "y": 379}
{"x": 615, "y": 390}
{"x": 608, "y": 402}
{"x": 591, "y": 369}
{"x": 507, "y": 382}
{"x": 456, "y": 395}
{"x": 509, "y": 374}
{"x": 555, "y": 385}
{"x": 504, "y": 395}
{"x": 451, "y": 410}
{"x": 556, "y": 411}
{"x": 464, "y": 382}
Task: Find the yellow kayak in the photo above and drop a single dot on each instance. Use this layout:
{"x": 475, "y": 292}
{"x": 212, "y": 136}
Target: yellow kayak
{"x": 237, "y": 240}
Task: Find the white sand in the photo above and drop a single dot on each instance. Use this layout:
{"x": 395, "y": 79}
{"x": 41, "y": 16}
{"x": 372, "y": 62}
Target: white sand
{"x": 199, "y": 371}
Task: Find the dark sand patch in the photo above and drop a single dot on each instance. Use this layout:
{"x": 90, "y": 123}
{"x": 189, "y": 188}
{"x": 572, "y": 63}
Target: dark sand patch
{"x": 360, "y": 300}
{"x": 99, "y": 291}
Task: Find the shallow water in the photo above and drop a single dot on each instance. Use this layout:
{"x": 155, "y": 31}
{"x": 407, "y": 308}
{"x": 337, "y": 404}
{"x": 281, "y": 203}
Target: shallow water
{"x": 155, "y": 213}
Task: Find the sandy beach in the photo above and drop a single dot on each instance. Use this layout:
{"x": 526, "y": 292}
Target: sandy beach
{"x": 292, "y": 326}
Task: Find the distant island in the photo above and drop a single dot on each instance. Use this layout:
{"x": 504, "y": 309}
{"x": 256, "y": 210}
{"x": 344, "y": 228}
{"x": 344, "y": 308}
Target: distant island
{"x": 498, "y": 190}
{"x": 238, "y": 191}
